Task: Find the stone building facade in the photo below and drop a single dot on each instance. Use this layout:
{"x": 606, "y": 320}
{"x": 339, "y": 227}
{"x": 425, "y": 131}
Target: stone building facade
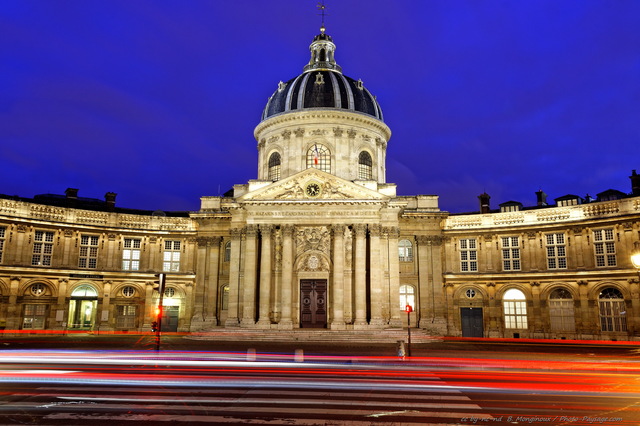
{"x": 321, "y": 240}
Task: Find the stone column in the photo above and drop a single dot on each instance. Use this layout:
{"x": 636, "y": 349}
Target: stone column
{"x": 234, "y": 279}
{"x": 13, "y": 312}
{"x": 264, "y": 320}
{"x": 149, "y": 306}
{"x": 360, "y": 276}
{"x": 495, "y": 311}
{"x": 249, "y": 282}
{"x": 376, "y": 277}
{"x": 585, "y": 327}
{"x": 394, "y": 278}
{"x": 62, "y": 301}
{"x": 537, "y": 311}
{"x": 201, "y": 272}
{"x": 424, "y": 308}
{"x": 633, "y": 321}
{"x": 337, "y": 287}
{"x": 286, "y": 321}
{"x": 210, "y": 311}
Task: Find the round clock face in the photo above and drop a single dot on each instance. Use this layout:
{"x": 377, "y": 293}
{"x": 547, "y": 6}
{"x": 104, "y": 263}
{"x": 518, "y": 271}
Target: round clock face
{"x": 312, "y": 189}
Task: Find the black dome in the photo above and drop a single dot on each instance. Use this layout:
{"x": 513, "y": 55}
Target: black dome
{"x": 322, "y": 89}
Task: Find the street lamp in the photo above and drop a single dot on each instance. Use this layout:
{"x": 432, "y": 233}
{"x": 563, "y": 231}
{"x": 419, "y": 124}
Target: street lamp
{"x": 635, "y": 256}
{"x": 408, "y": 309}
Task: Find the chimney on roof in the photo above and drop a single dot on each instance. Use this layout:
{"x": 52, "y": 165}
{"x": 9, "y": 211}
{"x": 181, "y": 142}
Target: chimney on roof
{"x": 72, "y": 196}
{"x": 541, "y": 197}
{"x": 635, "y": 183}
{"x": 484, "y": 202}
{"x": 110, "y": 199}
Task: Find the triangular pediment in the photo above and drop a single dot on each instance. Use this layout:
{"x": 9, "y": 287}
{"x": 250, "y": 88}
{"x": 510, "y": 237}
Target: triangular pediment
{"x": 312, "y": 185}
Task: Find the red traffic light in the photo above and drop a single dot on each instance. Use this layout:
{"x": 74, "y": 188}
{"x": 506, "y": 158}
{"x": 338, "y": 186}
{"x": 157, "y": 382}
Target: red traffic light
{"x": 408, "y": 308}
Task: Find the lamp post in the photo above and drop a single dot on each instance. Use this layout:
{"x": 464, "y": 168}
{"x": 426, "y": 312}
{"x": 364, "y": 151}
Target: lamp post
{"x": 635, "y": 256}
{"x": 158, "y": 321}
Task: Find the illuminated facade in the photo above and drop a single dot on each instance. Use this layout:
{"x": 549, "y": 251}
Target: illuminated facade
{"x": 321, "y": 240}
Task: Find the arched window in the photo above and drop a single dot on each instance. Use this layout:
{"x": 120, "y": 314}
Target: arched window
{"x": 274, "y": 166}
{"x": 515, "y": 309}
{"x": 561, "y": 310}
{"x": 612, "y": 310}
{"x": 224, "y": 297}
{"x": 85, "y": 290}
{"x": 407, "y": 296}
{"x": 365, "y": 166}
{"x": 227, "y": 251}
{"x": 318, "y": 156}
{"x": 405, "y": 251}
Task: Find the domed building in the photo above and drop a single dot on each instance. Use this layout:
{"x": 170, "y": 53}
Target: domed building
{"x": 320, "y": 240}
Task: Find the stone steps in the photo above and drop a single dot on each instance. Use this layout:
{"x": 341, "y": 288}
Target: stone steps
{"x": 314, "y": 335}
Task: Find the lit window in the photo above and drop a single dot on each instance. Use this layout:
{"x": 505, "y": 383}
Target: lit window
{"x": 613, "y": 312}
{"x": 170, "y": 292}
{"x": 88, "y": 252}
{"x": 556, "y": 251}
{"x": 561, "y": 311}
{"x": 42, "y": 248}
{"x": 227, "y": 251}
{"x": 510, "y": 253}
{"x": 515, "y": 309}
{"x": 405, "y": 251}
{"x": 128, "y": 291}
{"x": 171, "y": 256}
{"x": 604, "y": 247}
{"x": 319, "y": 157}
{"x": 407, "y": 296}
{"x": 468, "y": 255}
{"x": 365, "y": 166}
{"x": 224, "y": 299}
{"x": 274, "y": 166}
{"x": 131, "y": 254}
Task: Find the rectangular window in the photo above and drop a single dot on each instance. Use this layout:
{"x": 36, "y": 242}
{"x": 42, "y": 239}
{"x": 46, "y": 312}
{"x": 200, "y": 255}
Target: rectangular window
{"x": 131, "y": 254}
{"x": 468, "y": 255}
{"x": 612, "y": 315}
{"x": 171, "y": 257}
{"x": 34, "y": 317}
{"x": 88, "y": 252}
{"x": 2, "y": 233}
{"x": 604, "y": 247}
{"x": 511, "y": 253}
{"x": 556, "y": 251}
{"x": 515, "y": 314}
{"x": 42, "y": 248}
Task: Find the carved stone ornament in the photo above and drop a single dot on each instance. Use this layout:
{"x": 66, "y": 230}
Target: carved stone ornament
{"x": 314, "y": 238}
{"x": 375, "y": 230}
{"x": 351, "y": 133}
{"x": 153, "y": 240}
{"x": 318, "y": 132}
{"x": 112, "y": 237}
{"x": 299, "y": 132}
{"x": 21, "y": 228}
{"x": 273, "y": 139}
{"x": 535, "y": 284}
{"x": 313, "y": 263}
{"x": 337, "y": 132}
{"x": 68, "y": 233}
{"x": 286, "y": 134}
{"x": 582, "y": 282}
{"x": 348, "y": 249}
{"x": 491, "y": 284}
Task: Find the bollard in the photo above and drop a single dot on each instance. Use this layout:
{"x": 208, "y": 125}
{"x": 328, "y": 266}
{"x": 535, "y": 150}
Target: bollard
{"x": 299, "y": 355}
{"x": 400, "y": 349}
{"x": 251, "y": 354}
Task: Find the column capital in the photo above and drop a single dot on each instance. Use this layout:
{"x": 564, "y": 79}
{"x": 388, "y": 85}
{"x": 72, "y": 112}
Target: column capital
{"x": 251, "y": 230}
{"x": 360, "y": 229}
{"x": 433, "y": 240}
{"x": 375, "y": 230}
{"x": 266, "y": 229}
{"x": 288, "y": 230}
{"x": 236, "y": 233}
{"x": 337, "y": 229}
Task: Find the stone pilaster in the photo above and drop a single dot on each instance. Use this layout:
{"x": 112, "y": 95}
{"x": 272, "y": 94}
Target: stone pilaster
{"x": 264, "y": 320}
{"x": 210, "y": 311}
{"x": 337, "y": 287}
{"x": 394, "y": 277}
{"x": 249, "y": 282}
{"x": 360, "y": 267}
{"x": 286, "y": 321}
{"x": 376, "y": 277}
{"x": 234, "y": 279}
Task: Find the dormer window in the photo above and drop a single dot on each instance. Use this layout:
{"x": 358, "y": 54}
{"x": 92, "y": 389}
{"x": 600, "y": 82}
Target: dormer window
{"x": 510, "y": 206}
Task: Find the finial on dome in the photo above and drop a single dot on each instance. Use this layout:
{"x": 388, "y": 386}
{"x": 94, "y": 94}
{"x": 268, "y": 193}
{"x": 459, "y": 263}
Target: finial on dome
{"x": 322, "y": 49}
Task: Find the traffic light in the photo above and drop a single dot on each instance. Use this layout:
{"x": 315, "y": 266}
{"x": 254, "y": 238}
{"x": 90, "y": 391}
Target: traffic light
{"x": 159, "y": 283}
{"x": 408, "y": 309}
{"x": 154, "y": 326}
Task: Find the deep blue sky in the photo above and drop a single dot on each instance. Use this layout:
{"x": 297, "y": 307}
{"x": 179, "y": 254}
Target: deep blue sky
{"x": 157, "y": 100}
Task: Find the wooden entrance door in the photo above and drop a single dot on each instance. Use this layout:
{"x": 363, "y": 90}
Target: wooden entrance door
{"x": 471, "y": 322}
{"x": 313, "y": 306}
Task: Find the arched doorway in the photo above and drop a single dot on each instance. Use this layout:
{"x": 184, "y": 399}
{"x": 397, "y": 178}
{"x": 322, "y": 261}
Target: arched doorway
{"x": 83, "y": 307}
